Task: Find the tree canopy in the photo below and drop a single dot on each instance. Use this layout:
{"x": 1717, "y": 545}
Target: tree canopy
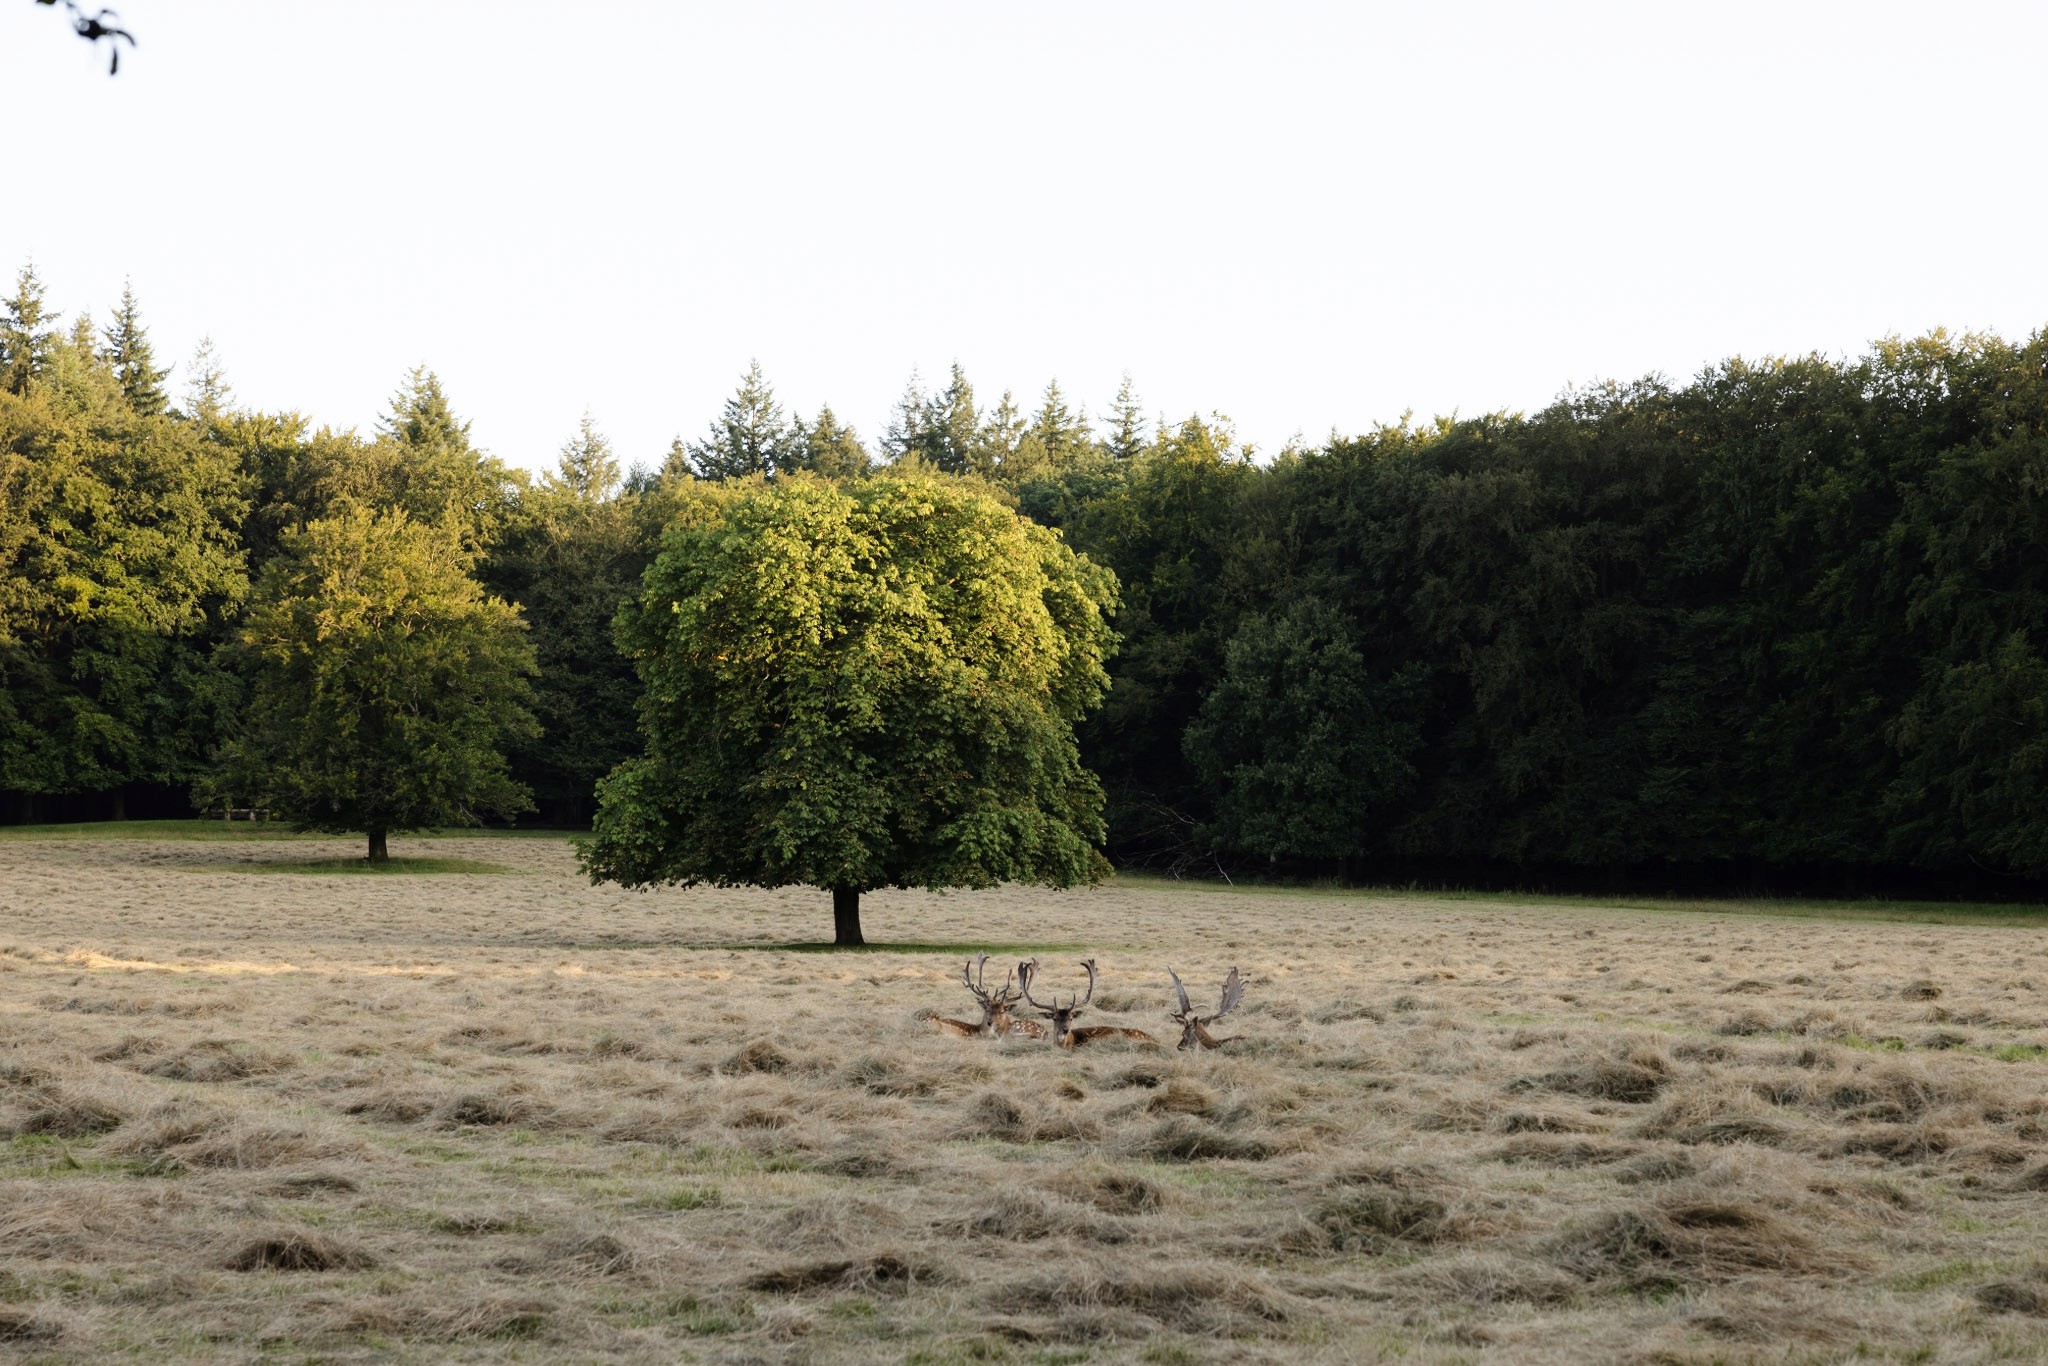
{"x": 859, "y": 686}
{"x": 1782, "y": 625}
{"x": 120, "y": 557}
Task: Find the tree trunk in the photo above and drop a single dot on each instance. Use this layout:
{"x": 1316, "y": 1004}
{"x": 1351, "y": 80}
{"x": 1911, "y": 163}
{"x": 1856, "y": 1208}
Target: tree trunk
{"x": 120, "y": 803}
{"x": 846, "y": 918}
{"x": 379, "y": 852}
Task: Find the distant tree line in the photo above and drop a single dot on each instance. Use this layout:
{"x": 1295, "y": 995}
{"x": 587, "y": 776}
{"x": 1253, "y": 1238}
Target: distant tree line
{"x": 1780, "y": 626}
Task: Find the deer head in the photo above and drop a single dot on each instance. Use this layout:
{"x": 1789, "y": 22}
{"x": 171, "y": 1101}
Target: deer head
{"x": 1061, "y": 1016}
{"x": 995, "y": 1005}
{"x": 1194, "y": 1031}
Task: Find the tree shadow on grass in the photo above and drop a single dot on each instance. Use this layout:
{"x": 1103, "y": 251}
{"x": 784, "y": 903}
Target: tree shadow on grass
{"x": 390, "y": 867}
{"x": 968, "y": 947}
{"x": 910, "y": 946}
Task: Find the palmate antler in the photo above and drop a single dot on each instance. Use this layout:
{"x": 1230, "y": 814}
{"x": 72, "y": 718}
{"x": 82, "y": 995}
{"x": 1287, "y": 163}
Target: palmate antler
{"x": 1194, "y": 1031}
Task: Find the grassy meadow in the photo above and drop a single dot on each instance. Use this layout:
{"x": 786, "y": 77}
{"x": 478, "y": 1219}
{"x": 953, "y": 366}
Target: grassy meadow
{"x": 254, "y": 1105}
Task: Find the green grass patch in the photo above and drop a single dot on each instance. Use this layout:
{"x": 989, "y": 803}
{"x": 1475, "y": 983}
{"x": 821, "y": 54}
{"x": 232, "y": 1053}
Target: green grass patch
{"x": 209, "y": 831}
{"x": 43, "y": 1157}
{"x": 685, "y": 1312}
{"x": 526, "y": 1324}
{"x": 702, "y": 1197}
{"x": 1890, "y": 1043}
{"x": 393, "y": 867}
{"x": 1946, "y": 1273}
{"x": 1789, "y": 908}
{"x": 435, "y": 1152}
{"x": 157, "y": 830}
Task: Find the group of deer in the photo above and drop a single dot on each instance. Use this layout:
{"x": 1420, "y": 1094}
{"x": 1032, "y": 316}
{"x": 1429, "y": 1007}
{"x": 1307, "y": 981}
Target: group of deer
{"x": 997, "y": 1022}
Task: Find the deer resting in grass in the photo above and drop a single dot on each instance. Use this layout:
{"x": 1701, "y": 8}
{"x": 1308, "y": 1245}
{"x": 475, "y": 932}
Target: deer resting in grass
{"x": 1194, "y": 1029}
{"x": 996, "y": 1021}
{"x": 1062, "y": 1016}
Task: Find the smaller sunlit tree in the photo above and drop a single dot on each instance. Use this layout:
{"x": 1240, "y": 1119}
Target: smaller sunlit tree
{"x": 386, "y": 684}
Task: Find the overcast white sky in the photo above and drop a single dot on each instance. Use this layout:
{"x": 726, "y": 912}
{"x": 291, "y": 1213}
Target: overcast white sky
{"x": 1307, "y": 216}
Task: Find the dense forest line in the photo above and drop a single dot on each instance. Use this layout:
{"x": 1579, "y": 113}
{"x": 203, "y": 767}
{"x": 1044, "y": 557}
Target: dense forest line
{"x": 1779, "y": 626}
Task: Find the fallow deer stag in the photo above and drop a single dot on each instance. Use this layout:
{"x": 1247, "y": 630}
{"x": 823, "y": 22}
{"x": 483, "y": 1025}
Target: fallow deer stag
{"x": 1062, "y": 1016}
{"x": 1194, "y": 1029}
{"x": 996, "y": 1021}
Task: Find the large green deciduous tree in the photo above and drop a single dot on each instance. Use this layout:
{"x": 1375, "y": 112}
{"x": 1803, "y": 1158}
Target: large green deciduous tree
{"x": 859, "y": 686}
{"x": 386, "y": 683}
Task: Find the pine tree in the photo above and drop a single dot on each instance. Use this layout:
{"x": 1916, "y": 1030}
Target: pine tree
{"x": 127, "y": 350}
{"x": 996, "y": 443}
{"x": 750, "y": 437}
{"x": 424, "y": 463}
{"x": 420, "y": 417}
{"x": 1061, "y": 431}
{"x": 28, "y": 335}
{"x": 953, "y": 424}
{"x": 676, "y": 464}
{"x": 831, "y": 448}
{"x": 207, "y": 392}
{"x": 1126, "y": 423}
{"x": 908, "y": 434}
{"x": 587, "y": 467}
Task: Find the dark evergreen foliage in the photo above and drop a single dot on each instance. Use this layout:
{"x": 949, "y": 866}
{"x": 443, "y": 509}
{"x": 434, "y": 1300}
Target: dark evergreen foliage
{"x": 570, "y": 561}
{"x": 28, "y": 334}
{"x": 128, "y": 351}
{"x": 1783, "y": 623}
{"x": 751, "y": 437}
{"x": 831, "y": 448}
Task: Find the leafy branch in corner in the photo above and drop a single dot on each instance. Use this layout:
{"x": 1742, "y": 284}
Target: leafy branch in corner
{"x": 95, "y": 26}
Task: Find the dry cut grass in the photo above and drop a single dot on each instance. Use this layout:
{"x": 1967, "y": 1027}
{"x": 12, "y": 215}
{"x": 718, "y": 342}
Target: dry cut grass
{"x": 505, "y": 1115}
